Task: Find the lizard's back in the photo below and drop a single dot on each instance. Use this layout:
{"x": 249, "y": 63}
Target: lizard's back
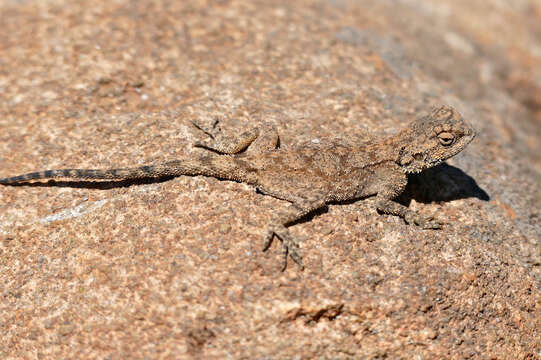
{"x": 335, "y": 168}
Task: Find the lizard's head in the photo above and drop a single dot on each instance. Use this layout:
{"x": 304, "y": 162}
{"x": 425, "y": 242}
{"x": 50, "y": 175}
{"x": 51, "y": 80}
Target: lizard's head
{"x": 433, "y": 138}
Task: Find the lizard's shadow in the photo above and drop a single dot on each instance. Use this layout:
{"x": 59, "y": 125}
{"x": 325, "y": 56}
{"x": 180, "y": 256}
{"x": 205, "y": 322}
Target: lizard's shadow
{"x": 439, "y": 184}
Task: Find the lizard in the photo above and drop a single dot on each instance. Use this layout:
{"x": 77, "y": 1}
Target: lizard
{"x": 308, "y": 176}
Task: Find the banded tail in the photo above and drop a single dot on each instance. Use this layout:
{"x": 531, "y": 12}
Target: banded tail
{"x": 218, "y": 166}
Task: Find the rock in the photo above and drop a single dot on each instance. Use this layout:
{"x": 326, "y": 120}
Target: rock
{"x": 174, "y": 268}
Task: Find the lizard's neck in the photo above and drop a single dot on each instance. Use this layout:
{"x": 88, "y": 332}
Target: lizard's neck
{"x": 387, "y": 150}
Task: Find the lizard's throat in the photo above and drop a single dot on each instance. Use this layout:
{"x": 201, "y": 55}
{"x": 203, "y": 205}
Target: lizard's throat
{"x": 417, "y": 166}
{"x": 414, "y": 163}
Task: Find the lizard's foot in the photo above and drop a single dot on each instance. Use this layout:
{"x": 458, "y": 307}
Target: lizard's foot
{"x": 424, "y": 222}
{"x": 290, "y": 246}
{"x": 223, "y": 143}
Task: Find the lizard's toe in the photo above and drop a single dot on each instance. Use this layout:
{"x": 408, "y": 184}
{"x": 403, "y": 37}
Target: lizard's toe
{"x": 211, "y": 132}
{"x": 291, "y": 250}
{"x": 428, "y": 222}
{"x": 431, "y": 224}
{"x": 203, "y": 144}
{"x": 421, "y": 221}
{"x": 268, "y": 240}
{"x": 296, "y": 257}
{"x": 289, "y": 245}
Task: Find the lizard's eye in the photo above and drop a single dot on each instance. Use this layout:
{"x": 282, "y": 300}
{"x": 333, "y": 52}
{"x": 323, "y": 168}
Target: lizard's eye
{"x": 446, "y": 138}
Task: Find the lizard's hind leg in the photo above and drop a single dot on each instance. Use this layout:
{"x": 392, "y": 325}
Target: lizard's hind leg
{"x": 257, "y": 139}
{"x": 278, "y": 228}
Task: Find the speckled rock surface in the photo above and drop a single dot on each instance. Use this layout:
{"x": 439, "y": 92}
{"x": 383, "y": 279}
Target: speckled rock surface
{"x": 174, "y": 269}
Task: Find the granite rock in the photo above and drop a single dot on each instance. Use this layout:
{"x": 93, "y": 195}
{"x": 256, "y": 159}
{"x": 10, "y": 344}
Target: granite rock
{"x": 174, "y": 269}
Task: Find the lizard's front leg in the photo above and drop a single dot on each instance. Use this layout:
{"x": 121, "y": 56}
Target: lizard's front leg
{"x": 388, "y": 206}
{"x": 393, "y": 183}
{"x": 278, "y": 228}
{"x": 257, "y": 139}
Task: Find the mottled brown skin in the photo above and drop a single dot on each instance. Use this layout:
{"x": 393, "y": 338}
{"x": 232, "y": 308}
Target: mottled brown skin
{"x": 312, "y": 175}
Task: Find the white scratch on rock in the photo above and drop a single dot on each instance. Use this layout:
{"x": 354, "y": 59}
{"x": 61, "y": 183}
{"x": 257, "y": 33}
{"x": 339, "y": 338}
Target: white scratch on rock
{"x": 73, "y": 212}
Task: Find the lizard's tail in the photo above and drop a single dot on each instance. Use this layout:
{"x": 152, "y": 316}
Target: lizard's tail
{"x": 219, "y": 166}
